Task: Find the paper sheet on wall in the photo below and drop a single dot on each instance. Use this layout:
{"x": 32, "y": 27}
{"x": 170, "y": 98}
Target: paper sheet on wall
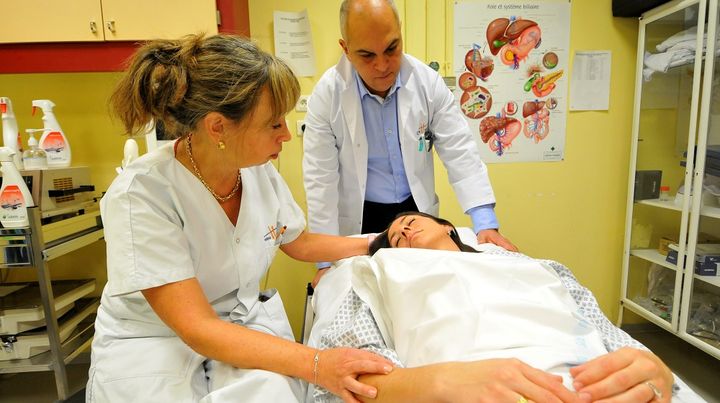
{"x": 510, "y": 60}
{"x": 293, "y": 41}
{"x": 590, "y": 81}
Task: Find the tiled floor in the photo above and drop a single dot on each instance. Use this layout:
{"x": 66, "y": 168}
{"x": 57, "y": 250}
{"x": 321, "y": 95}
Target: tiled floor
{"x": 700, "y": 370}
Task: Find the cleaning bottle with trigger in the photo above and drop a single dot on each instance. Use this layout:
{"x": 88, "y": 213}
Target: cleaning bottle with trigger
{"x": 15, "y": 196}
{"x": 11, "y": 135}
{"x": 53, "y": 140}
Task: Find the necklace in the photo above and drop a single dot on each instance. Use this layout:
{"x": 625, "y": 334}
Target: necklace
{"x": 219, "y": 198}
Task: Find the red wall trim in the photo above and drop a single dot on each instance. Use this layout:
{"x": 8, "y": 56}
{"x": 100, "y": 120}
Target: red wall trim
{"x": 66, "y": 57}
{"x": 234, "y": 17}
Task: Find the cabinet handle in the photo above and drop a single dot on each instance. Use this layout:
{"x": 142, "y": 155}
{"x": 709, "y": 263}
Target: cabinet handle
{"x": 110, "y": 26}
{"x": 93, "y": 27}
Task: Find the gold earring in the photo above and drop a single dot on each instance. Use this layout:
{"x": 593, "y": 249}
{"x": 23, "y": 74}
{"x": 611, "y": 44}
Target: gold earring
{"x": 221, "y": 145}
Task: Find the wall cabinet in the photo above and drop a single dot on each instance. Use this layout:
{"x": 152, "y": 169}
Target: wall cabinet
{"x": 107, "y": 20}
{"x": 676, "y": 120}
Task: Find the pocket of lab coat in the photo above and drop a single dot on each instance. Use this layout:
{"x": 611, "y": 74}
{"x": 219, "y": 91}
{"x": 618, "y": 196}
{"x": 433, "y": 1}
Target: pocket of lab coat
{"x": 147, "y": 356}
{"x": 147, "y": 370}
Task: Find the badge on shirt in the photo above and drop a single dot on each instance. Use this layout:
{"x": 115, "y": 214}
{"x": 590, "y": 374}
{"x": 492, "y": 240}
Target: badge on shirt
{"x": 426, "y": 138}
{"x": 275, "y": 233}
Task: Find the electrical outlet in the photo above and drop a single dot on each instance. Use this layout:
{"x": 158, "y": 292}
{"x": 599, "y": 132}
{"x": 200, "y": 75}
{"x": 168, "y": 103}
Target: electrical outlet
{"x": 300, "y": 129}
{"x": 301, "y": 105}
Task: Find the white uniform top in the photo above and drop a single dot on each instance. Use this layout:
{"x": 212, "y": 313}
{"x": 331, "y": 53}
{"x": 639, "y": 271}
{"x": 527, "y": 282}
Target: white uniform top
{"x": 163, "y": 226}
{"x": 336, "y": 148}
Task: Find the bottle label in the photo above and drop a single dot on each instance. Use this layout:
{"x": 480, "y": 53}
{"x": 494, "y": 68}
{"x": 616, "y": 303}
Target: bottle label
{"x": 12, "y": 204}
{"x": 55, "y": 148}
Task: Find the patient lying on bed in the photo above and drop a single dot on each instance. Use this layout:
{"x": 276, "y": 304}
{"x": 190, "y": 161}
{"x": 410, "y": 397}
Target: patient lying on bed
{"x": 429, "y": 305}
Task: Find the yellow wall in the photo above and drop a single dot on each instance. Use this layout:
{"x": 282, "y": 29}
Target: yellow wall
{"x": 571, "y": 211}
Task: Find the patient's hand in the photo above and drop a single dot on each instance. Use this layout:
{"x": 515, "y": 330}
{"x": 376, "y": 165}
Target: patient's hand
{"x": 318, "y": 276}
{"x": 493, "y": 236}
{"x": 622, "y": 376}
{"x": 339, "y": 368}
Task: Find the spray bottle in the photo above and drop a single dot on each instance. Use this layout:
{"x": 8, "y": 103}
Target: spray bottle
{"x": 34, "y": 157}
{"x": 130, "y": 154}
{"x": 15, "y": 197}
{"x": 11, "y": 135}
{"x": 53, "y": 140}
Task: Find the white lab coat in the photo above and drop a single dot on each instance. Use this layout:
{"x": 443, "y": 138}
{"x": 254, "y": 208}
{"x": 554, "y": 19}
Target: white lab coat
{"x": 336, "y": 150}
{"x": 163, "y": 226}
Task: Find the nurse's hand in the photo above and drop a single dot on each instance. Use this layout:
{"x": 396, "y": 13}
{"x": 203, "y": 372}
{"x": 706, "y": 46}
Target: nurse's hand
{"x": 625, "y": 375}
{"x": 493, "y": 236}
{"x": 339, "y": 368}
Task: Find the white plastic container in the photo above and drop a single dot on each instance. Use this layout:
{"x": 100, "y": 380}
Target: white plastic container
{"x": 11, "y": 135}
{"x": 53, "y": 140}
{"x": 15, "y": 197}
{"x": 34, "y": 157}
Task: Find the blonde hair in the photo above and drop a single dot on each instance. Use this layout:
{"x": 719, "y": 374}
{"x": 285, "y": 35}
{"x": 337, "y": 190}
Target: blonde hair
{"x": 178, "y": 82}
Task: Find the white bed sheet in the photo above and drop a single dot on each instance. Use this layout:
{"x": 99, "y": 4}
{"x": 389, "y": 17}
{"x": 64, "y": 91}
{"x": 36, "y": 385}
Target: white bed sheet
{"x": 336, "y": 284}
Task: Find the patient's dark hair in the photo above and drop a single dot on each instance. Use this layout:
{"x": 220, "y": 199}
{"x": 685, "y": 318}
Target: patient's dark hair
{"x": 382, "y": 240}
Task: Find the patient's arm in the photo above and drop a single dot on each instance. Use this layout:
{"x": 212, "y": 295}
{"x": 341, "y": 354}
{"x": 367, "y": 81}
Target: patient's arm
{"x": 499, "y": 380}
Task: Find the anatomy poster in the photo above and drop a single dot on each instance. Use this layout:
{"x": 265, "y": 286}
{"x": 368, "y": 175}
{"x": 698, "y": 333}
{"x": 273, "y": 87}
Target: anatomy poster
{"x": 511, "y": 65}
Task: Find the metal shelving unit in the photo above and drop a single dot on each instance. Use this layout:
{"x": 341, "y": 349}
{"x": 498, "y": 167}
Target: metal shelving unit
{"x": 31, "y": 242}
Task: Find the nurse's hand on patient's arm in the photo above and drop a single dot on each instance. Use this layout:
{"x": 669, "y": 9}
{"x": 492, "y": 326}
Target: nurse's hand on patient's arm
{"x": 623, "y": 376}
{"x": 496, "y": 381}
{"x": 339, "y": 368}
{"x": 493, "y": 236}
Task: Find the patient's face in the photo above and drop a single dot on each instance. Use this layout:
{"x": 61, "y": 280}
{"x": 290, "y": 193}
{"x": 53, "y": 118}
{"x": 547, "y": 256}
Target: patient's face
{"x": 416, "y": 231}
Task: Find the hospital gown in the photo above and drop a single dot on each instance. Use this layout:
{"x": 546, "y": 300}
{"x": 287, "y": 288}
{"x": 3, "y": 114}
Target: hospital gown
{"x": 354, "y": 324}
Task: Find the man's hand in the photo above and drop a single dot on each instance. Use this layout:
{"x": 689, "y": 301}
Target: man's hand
{"x": 493, "y": 236}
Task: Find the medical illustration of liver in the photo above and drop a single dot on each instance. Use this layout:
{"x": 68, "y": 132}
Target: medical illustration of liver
{"x": 512, "y": 39}
{"x": 499, "y": 132}
{"x": 481, "y": 66}
{"x": 531, "y": 107}
{"x": 537, "y": 120}
{"x": 475, "y": 102}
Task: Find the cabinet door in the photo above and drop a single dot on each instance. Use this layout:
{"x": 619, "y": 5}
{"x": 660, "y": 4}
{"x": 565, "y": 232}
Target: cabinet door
{"x": 50, "y": 21}
{"x": 700, "y": 310}
{"x": 664, "y": 127}
{"x": 126, "y": 20}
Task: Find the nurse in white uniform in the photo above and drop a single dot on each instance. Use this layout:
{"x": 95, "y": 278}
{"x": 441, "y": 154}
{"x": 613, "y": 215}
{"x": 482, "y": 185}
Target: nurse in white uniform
{"x": 192, "y": 227}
